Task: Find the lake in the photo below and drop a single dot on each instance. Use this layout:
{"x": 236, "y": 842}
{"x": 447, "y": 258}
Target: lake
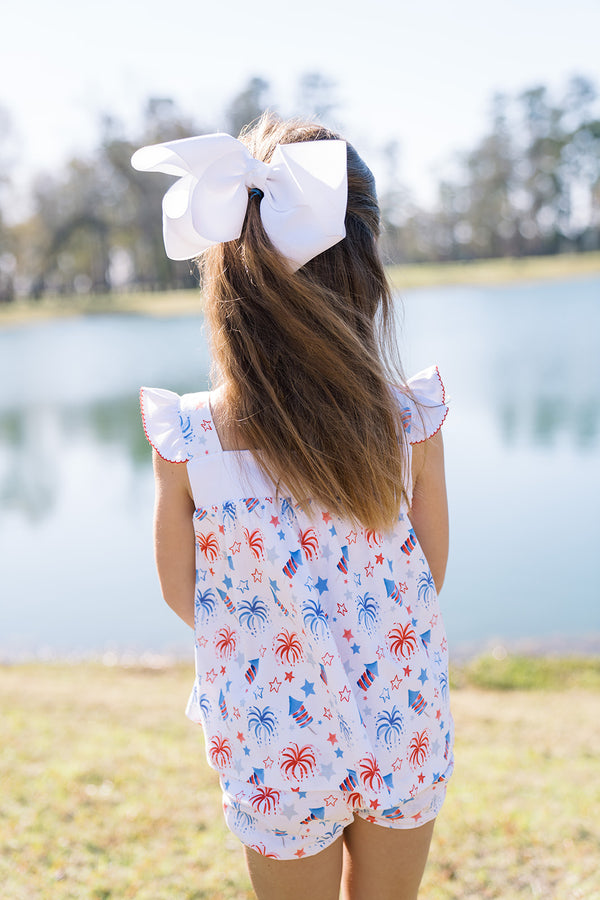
{"x": 521, "y": 365}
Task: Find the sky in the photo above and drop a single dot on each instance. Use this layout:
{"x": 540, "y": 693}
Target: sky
{"x": 421, "y": 72}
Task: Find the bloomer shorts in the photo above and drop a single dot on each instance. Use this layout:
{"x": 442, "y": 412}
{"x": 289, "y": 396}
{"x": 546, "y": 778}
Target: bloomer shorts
{"x": 294, "y": 824}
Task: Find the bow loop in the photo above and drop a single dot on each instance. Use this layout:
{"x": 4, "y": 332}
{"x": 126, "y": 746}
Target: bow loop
{"x": 305, "y": 194}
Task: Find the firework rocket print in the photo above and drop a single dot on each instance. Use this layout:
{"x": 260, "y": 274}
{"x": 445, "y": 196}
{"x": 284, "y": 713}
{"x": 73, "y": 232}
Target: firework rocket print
{"x": 321, "y": 656}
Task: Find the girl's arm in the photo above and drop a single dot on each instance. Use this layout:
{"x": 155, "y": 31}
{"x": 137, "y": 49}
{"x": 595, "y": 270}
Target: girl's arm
{"x": 174, "y": 541}
{"x": 429, "y": 511}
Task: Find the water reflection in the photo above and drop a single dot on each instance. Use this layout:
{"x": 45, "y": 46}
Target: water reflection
{"x": 28, "y": 480}
{"x": 523, "y": 372}
{"x": 32, "y": 440}
{"x": 544, "y": 420}
{"x": 109, "y": 422}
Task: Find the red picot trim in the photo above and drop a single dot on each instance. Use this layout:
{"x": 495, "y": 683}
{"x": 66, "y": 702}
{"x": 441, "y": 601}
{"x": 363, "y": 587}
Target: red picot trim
{"x": 437, "y": 372}
{"x": 180, "y": 462}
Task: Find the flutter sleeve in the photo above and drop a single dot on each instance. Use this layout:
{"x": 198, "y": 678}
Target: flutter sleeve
{"x": 164, "y": 423}
{"x": 423, "y": 406}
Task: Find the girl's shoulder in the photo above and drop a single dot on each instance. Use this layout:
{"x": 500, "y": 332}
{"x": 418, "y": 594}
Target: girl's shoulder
{"x": 422, "y": 402}
{"x": 179, "y": 427}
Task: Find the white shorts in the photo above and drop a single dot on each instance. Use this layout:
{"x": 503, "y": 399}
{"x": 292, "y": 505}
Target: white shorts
{"x": 294, "y": 824}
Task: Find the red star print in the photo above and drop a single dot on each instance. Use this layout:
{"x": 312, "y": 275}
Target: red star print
{"x": 236, "y": 712}
{"x": 342, "y": 609}
{"x": 240, "y": 737}
{"x": 275, "y": 685}
{"x": 257, "y": 576}
{"x": 327, "y": 713}
{"x": 210, "y": 676}
{"x": 438, "y": 714}
{"x": 380, "y": 653}
{"x": 332, "y": 739}
{"x": 371, "y": 819}
{"x": 345, "y": 694}
{"x": 202, "y": 641}
{"x": 395, "y": 683}
{"x": 299, "y": 852}
{"x": 235, "y": 547}
{"x": 222, "y": 529}
{"x": 409, "y": 610}
{"x": 268, "y": 762}
{"x": 222, "y": 670}
{"x": 351, "y": 538}
{"x": 417, "y": 817}
{"x": 327, "y": 659}
{"x": 402, "y": 587}
{"x": 369, "y": 569}
{"x": 262, "y": 652}
{"x": 407, "y": 670}
{"x": 379, "y": 559}
{"x": 206, "y": 425}
{"x": 326, "y": 518}
{"x": 348, "y": 635}
{"x": 289, "y": 676}
{"x": 374, "y": 804}
{"x": 274, "y": 521}
{"x": 421, "y": 778}
{"x": 397, "y": 764}
{"x": 331, "y": 800}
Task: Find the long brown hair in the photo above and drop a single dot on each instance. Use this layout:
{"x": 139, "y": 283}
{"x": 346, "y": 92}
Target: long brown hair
{"x": 304, "y": 357}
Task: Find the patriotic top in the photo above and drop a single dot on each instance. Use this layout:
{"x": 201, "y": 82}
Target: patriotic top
{"x": 321, "y": 655}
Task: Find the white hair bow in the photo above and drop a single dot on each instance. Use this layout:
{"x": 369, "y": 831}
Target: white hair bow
{"x": 305, "y": 189}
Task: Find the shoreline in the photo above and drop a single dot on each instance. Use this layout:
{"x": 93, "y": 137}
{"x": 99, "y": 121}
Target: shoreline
{"x": 554, "y": 652}
{"x": 408, "y": 277}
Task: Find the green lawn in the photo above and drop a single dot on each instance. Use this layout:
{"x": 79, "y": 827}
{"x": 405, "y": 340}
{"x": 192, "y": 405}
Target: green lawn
{"x": 105, "y": 792}
{"x": 496, "y": 271}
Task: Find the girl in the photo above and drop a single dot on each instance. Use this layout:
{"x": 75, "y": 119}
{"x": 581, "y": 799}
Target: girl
{"x": 301, "y": 522}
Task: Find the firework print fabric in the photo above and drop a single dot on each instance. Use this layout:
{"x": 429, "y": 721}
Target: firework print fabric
{"x": 321, "y": 656}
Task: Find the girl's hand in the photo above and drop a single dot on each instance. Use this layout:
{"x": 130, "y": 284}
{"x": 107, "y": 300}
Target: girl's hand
{"x": 174, "y": 541}
{"x": 429, "y": 511}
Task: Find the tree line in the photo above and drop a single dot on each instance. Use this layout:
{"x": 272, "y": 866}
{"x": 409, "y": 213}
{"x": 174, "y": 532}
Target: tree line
{"x": 530, "y": 186}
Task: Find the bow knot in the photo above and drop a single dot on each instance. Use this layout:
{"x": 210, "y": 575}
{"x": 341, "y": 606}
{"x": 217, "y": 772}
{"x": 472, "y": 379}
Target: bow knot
{"x": 256, "y": 177}
{"x": 305, "y": 191}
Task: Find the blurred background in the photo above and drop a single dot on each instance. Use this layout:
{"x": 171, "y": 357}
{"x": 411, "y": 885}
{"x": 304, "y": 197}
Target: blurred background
{"x": 482, "y": 127}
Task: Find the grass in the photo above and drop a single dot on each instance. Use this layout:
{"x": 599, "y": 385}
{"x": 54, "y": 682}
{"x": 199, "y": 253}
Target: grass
{"x": 105, "y": 792}
{"x": 542, "y": 673}
{"x": 405, "y": 277}
{"x": 158, "y": 303}
{"x": 495, "y": 271}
